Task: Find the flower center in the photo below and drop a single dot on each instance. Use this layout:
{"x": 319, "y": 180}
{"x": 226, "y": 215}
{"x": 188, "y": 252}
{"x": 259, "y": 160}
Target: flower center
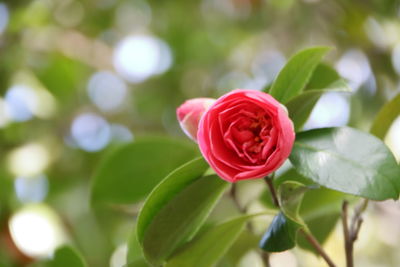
{"x": 249, "y": 134}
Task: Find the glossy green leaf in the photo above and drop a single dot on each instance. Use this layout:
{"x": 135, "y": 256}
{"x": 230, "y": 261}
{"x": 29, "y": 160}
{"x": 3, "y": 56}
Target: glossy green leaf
{"x": 290, "y": 195}
{"x": 176, "y": 209}
{"x": 318, "y": 202}
{"x": 129, "y": 173}
{"x": 207, "y": 249}
{"x": 280, "y": 235}
{"x": 385, "y": 118}
{"x": 66, "y": 256}
{"x": 296, "y": 73}
{"x": 173, "y": 184}
{"x": 292, "y": 175}
{"x": 347, "y": 160}
{"x": 180, "y": 219}
{"x": 300, "y": 107}
{"x": 322, "y": 77}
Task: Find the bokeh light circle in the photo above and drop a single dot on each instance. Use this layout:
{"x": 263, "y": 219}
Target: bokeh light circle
{"x": 107, "y": 91}
{"x": 138, "y": 57}
{"x": 91, "y": 132}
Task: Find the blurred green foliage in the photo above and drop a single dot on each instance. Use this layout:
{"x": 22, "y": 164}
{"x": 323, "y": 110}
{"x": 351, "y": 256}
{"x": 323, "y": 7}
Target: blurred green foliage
{"x": 55, "y": 46}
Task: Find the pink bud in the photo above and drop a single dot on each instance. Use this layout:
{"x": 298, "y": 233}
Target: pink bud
{"x": 189, "y": 114}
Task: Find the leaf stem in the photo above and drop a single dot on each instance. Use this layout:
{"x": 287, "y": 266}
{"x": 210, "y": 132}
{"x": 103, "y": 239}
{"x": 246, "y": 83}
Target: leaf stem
{"x": 271, "y": 188}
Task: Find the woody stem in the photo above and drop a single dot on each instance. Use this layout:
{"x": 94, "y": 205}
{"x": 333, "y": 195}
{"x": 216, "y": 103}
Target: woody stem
{"x": 351, "y": 231}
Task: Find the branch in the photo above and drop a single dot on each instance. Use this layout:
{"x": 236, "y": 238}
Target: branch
{"x": 351, "y": 234}
{"x": 314, "y": 242}
{"x": 348, "y": 244}
{"x": 357, "y": 220}
{"x": 265, "y": 258}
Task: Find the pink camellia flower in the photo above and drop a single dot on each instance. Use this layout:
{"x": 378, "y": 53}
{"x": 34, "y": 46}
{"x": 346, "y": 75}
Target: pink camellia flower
{"x": 189, "y": 114}
{"x": 245, "y": 134}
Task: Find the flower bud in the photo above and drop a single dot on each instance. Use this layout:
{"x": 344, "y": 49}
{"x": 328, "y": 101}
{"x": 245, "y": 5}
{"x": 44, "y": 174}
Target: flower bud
{"x": 189, "y": 114}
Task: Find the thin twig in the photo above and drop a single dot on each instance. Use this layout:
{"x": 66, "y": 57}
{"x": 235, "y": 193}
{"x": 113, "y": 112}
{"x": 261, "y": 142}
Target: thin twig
{"x": 271, "y": 188}
{"x": 351, "y": 234}
{"x": 348, "y": 244}
{"x": 314, "y": 242}
{"x": 357, "y": 229}
{"x": 357, "y": 219}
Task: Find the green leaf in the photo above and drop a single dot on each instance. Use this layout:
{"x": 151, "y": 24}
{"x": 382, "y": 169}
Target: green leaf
{"x": 323, "y": 76}
{"x": 290, "y": 195}
{"x": 173, "y": 184}
{"x": 180, "y": 219}
{"x": 280, "y": 235}
{"x": 385, "y": 118}
{"x": 214, "y": 243}
{"x": 70, "y": 71}
{"x": 300, "y": 107}
{"x": 130, "y": 172}
{"x": 134, "y": 248}
{"x": 347, "y": 160}
{"x": 296, "y": 73}
{"x": 176, "y": 209}
{"x": 318, "y": 202}
{"x": 246, "y": 242}
{"x": 137, "y": 263}
{"x": 66, "y": 256}
{"x": 266, "y": 199}
{"x": 320, "y": 228}
{"x": 267, "y": 87}
{"x": 320, "y": 210}
{"x": 6, "y": 188}
{"x": 292, "y": 175}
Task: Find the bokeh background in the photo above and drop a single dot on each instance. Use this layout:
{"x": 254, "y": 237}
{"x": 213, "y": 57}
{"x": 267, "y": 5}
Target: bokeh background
{"x": 79, "y": 77}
